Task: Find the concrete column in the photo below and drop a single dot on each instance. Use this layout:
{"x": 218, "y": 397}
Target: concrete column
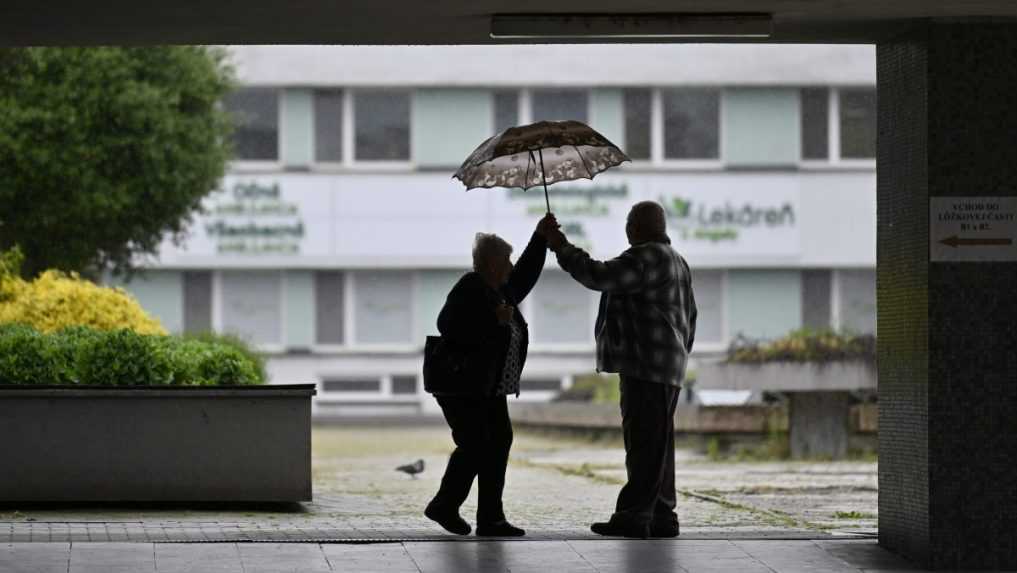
{"x": 947, "y": 330}
{"x": 819, "y": 424}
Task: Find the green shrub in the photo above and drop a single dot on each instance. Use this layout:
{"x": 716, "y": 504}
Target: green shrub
{"x": 239, "y": 345}
{"x": 83, "y": 355}
{"x": 805, "y": 345}
{"x": 124, "y": 358}
{"x": 25, "y": 355}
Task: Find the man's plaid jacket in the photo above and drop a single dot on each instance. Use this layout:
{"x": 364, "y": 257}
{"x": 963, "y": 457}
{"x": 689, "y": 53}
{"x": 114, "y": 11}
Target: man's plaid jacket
{"x": 647, "y": 319}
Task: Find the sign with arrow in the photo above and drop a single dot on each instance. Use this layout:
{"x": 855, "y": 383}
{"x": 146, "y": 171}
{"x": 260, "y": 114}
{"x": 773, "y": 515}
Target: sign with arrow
{"x": 979, "y": 229}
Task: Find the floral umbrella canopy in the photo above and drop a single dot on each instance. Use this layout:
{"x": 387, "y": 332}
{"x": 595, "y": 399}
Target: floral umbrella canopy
{"x": 540, "y": 153}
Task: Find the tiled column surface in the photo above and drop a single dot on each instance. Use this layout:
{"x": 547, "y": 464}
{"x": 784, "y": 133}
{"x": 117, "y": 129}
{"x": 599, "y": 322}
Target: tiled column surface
{"x": 947, "y": 334}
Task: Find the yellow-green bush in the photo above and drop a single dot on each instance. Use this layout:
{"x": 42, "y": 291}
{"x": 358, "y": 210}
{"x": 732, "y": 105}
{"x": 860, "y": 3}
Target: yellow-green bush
{"x": 57, "y": 300}
{"x": 805, "y": 345}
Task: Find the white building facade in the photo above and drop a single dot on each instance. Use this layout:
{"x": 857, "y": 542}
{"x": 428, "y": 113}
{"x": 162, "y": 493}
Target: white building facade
{"x": 338, "y": 231}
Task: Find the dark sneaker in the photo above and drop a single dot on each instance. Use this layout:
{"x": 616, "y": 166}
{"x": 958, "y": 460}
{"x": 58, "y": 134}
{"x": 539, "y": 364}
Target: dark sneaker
{"x": 611, "y": 529}
{"x": 449, "y": 520}
{"x": 499, "y": 529}
{"x": 664, "y": 528}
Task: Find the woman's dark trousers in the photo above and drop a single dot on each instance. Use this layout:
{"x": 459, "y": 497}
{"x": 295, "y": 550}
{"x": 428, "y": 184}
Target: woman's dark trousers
{"x": 648, "y": 428}
{"x": 482, "y": 432}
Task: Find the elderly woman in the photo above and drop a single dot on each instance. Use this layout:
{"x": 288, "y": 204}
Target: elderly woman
{"x": 480, "y": 317}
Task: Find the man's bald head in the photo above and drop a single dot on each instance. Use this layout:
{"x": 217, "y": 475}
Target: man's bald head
{"x": 646, "y": 222}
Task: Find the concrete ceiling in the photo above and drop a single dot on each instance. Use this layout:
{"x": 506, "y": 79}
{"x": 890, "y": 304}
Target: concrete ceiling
{"x": 400, "y": 22}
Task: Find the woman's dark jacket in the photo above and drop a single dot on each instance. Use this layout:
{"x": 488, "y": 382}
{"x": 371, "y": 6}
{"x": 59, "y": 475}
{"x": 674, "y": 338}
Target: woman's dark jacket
{"x": 468, "y": 320}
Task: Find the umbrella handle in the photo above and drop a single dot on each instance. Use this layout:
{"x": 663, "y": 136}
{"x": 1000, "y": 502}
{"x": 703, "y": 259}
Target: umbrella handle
{"x": 544, "y": 179}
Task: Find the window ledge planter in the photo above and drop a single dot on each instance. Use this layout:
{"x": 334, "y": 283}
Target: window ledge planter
{"x": 156, "y": 443}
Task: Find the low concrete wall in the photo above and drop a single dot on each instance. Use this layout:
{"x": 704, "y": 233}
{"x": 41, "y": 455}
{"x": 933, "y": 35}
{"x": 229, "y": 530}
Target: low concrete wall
{"x": 694, "y": 420}
{"x": 237, "y": 443}
{"x": 688, "y": 419}
{"x": 787, "y": 376}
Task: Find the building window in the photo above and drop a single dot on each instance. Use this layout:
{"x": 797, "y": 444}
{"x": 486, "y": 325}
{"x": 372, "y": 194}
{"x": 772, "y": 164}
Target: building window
{"x": 708, "y": 287}
{"x": 815, "y": 123}
{"x": 197, "y": 301}
{"x": 328, "y": 126}
{"x": 251, "y": 305}
{"x": 554, "y": 105}
{"x": 637, "y": 103}
{"x": 329, "y": 305}
{"x": 506, "y": 109}
{"x": 856, "y": 296}
{"x": 382, "y": 125}
{"x": 352, "y": 385}
{"x": 404, "y": 385}
{"x": 382, "y": 307}
{"x": 858, "y": 123}
{"x": 561, "y": 310}
{"x": 256, "y": 111}
{"x": 816, "y": 296}
{"x": 691, "y": 123}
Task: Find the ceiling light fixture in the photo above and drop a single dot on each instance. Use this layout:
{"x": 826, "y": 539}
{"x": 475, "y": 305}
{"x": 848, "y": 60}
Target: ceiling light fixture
{"x": 584, "y": 26}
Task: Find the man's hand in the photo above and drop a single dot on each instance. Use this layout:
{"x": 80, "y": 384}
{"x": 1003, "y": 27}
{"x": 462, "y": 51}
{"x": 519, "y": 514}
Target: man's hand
{"x": 547, "y": 225}
{"x": 556, "y": 240}
{"x": 504, "y": 313}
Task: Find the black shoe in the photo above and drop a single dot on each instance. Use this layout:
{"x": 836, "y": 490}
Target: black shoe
{"x": 664, "y": 528}
{"x": 449, "y": 520}
{"x": 499, "y": 529}
{"x": 610, "y": 529}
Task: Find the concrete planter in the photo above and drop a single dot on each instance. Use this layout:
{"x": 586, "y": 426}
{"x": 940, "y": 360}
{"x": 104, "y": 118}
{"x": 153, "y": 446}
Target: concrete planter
{"x": 163, "y": 443}
{"x": 845, "y": 376}
{"x": 819, "y": 393}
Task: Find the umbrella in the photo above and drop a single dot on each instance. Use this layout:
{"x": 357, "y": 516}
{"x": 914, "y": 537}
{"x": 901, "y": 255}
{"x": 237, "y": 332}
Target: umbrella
{"x": 564, "y": 151}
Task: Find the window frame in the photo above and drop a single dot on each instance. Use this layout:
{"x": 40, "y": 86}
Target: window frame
{"x": 834, "y": 160}
{"x": 658, "y": 139}
{"x": 647, "y": 163}
{"x": 264, "y": 165}
{"x": 350, "y": 326}
{"x": 218, "y": 307}
{"x": 351, "y": 397}
{"x": 837, "y": 297}
{"x": 708, "y": 346}
{"x": 529, "y": 308}
{"x": 586, "y": 90}
{"x": 350, "y": 133}
{"x": 348, "y": 162}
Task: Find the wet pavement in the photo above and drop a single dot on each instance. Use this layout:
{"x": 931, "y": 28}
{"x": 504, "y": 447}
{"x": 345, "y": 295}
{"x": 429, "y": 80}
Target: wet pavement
{"x": 555, "y": 487}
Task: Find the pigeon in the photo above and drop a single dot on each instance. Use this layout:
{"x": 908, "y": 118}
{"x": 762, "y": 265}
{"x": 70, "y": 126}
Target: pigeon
{"x": 412, "y": 469}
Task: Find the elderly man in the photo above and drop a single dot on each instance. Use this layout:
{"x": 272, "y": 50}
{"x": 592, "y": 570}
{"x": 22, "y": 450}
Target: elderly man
{"x": 645, "y": 328}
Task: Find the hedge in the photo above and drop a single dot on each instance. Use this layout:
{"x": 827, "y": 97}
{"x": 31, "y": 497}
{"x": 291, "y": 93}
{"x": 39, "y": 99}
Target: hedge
{"x": 89, "y": 356}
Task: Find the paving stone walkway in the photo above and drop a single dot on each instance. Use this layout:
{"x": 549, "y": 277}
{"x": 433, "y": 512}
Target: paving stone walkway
{"x": 555, "y": 488}
{"x": 567, "y": 556}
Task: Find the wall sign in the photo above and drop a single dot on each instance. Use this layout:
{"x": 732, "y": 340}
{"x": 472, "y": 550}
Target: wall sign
{"x": 977, "y": 229}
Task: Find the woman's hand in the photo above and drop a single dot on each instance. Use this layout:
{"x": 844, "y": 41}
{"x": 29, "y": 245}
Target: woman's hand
{"x": 504, "y": 313}
{"x": 547, "y": 225}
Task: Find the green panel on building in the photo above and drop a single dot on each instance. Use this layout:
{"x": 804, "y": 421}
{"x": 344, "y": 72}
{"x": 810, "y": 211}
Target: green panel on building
{"x": 299, "y": 314}
{"x": 761, "y": 127}
{"x": 448, "y": 124}
{"x": 161, "y": 294}
{"x": 607, "y": 114}
{"x": 297, "y": 125}
{"x": 432, "y": 289}
{"x": 764, "y": 303}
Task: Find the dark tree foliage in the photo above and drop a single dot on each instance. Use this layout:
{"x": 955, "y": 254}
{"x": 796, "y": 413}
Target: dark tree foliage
{"x": 106, "y": 151}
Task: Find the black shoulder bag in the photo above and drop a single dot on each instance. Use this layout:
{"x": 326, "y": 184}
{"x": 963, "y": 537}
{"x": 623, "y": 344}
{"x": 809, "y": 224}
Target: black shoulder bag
{"x": 450, "y": 370}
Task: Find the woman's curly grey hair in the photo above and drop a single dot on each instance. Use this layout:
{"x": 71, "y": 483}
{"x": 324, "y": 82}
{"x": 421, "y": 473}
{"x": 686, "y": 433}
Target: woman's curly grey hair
{"x": 487, "y": 246}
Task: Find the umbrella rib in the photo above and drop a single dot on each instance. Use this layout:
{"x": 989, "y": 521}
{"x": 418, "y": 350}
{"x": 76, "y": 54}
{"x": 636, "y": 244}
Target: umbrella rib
{"x": 586, "y": 165}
